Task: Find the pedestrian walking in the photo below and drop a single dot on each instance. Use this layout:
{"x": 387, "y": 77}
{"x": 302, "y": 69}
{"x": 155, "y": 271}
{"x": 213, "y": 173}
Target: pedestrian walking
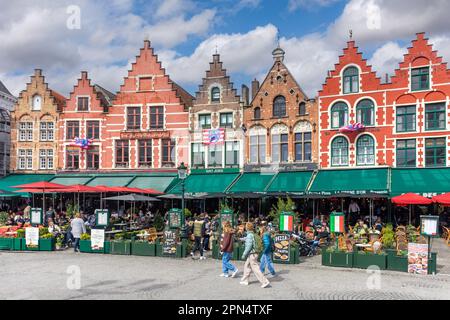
{"x": 266, "y": 258}
{"x": 199, "y": 232}
{"x": 226, "y": 247}
{"x": 253, "y": 246}
{"x": 207, "y": 235}
{"x": 78, "y": 228}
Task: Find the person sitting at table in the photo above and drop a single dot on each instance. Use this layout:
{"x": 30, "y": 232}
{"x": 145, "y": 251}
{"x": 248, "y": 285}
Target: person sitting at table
{"x": 378, "y": 224}
{"x": 53, "y": 228}
{"x": 361, "y": 230}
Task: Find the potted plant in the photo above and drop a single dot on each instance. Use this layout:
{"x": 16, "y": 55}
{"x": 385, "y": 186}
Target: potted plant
{"x": 19, "y": 240}
{"x": 85, "y": 243}
{"x": 46, "y": 242}
{"x": 59, "y": 242}
{"x": 120, "y": 245}
{"x": 143, "y": 247}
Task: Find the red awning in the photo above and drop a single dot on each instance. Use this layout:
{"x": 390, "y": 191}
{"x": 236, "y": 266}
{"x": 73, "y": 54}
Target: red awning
{"x": 410, "y": 198}
{"x": 42, "y": 185}
{"x": 443, "y": 199}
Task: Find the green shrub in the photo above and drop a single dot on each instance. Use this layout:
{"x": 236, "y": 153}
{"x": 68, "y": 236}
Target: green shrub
{"x": 42, "y": 231}
{"x": 388, "y": 236}
{"x": 46, "y": 236}
{"x": 3, "y": 218}
{"x": 21, "y": 233}
{"x": 85, "y": 236}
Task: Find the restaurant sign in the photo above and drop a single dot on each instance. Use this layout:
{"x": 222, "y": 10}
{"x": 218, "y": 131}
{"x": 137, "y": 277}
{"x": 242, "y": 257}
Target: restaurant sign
{"x": 142, "y": 135}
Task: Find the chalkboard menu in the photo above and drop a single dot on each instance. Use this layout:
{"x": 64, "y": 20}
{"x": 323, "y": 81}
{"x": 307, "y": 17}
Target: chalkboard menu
{"x": 226, "y": 215}
{"x": 282, "y": 250}
{"x": 170, "y": 244}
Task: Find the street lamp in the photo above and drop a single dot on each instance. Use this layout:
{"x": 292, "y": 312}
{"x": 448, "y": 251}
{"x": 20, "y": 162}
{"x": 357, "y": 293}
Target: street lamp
{"x": 182, "y": 176}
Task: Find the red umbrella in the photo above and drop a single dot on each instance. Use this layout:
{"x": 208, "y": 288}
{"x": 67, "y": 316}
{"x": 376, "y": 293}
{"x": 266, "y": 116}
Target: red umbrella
{"x": 42, "y": 185}
{"x": 443, "y": 199}
{"x": 83, "y": 189}
{"x": 410, "y": 198}
{"x": 152, "y": 191}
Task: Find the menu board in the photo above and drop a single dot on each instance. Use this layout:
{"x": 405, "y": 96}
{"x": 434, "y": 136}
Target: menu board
{"x": 417, "y": 258}
{"x": 102, "y": 217}
{"x": 429, "y": 225}
{"x": 175, "y": 218}
{"x": 282, "y": 249}
{"x": 97, "y": 239}
{"x": 36, "y": 216}
{"x": 169, "y": 244}
{"x": 226, "y": 215}
{"x": 32, "y": 237}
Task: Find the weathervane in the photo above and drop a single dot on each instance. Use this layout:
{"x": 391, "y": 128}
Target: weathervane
{"x": 351, "y": 34}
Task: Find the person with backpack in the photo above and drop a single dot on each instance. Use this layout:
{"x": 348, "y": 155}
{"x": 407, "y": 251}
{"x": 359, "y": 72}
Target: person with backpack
{"x": 226, "y": 247}
{"x": 253, "y": 247}
{"x": 266, "y": 258}
{"x": 199, "y": 231}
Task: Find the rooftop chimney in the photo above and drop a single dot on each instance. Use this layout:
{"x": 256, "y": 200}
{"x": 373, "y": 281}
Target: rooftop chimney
{"x": 245, "y": 95}
{"x": 255, "y": 88}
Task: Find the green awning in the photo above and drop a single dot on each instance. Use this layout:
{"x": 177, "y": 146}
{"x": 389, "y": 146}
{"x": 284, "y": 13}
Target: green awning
{"x": 351, "y": 182}
{"x": 160, "y": 183}
{"x": 6, "y": 183}
{"x": 424, "y": 181}
{"x": 71, "y": 180}
{"x": 254, "y": 182}
{"x": 206, "y": 183}
{"x": 290, "y": 182}
{"x": 111, "y": 181}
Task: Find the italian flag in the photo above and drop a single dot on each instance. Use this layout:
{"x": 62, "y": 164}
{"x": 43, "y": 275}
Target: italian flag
{"x": 286, "y": 223}
{"x": 337, "y": 223}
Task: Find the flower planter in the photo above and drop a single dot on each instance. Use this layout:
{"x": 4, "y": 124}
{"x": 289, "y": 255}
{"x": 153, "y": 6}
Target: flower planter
{"x": 17, "y": 244}
{"x": 365, "y": 260}
{"x": 47, "y": 244}
{"x": 86, "y": 247}
{"x": 5, "y": 243}
{"x": 337, "y": 259}
{"x": 396, "y": 262}
{"x": 121, "y": 247}
{"x": 159, "y": 250}
{"x": 143, "y": 248}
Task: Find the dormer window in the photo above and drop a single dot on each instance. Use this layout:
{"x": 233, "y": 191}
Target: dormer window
{"x": 83, "y": 104}
{"x": 351, "y": 80}
{"x": 215, "y": 95}
{"x": 36, "y": 103}
{"x": 420, "y": 79}
{"x": 257, "y": 113}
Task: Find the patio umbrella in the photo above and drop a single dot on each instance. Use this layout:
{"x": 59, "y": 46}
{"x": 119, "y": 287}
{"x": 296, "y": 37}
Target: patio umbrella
{"x": 443, "y": 199}
{"x": 410, "y": 199}
{"x": 133, "y": 197}
{"x": 41, "y": 187}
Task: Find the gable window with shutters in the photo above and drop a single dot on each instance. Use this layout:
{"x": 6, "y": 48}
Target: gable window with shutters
{"x": 257, "y": 113}
{"x": 420, "y": 79}
{"x": 435, "y": 116}
{"x": 156, "y": 117}
{"x": 279, "y": 107}
{"x": 365, "y": 112}
{"x": 133, "y": 118}
{"x": 83, "y": 104}
{"x": 406, "y": 119}
{"x": 215, "y": 95}
{"x": 351, "y": 80}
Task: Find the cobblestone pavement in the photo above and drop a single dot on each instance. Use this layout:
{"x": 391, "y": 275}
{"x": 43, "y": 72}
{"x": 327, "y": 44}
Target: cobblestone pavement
{"x": 40, "y": 275}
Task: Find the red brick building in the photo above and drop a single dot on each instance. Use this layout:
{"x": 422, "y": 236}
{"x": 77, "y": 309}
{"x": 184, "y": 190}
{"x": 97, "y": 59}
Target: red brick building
{"x": 84, "y": 117}
{"x": 281, "y": 122}
{"x": 147, "y": 126}
{"x": 406, "y": 121}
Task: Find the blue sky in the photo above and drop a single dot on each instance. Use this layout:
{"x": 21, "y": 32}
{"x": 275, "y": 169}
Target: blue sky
{"x": 185, "y": 34}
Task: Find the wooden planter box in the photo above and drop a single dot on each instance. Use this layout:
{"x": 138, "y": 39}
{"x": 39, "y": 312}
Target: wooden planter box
{"x": 364, "y": 261}
{"x": 85, "y": 246}
{"x": 121, "y": 247}
{"x": 143, "y": 248}
{"x": 17, "y": 244}
{"x": 6, "y": 243}
{"x": 396, "y": 262}
{"x": 47, "y": 244}
{"x": 337, "y": 259}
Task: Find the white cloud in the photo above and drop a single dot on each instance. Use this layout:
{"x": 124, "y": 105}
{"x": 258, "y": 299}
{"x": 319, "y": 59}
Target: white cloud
{"x": 386, "y": 59}
{"x": 170, "y": 8}
{"x": 309, "y": 4}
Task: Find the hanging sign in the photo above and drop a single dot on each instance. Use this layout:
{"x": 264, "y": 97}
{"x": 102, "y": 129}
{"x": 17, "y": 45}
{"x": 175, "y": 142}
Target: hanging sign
{"x": 101, "y": 217}
{"x": 97, "y": 239}
{"x": 32, "y": 237}
{"x": 287, "y": 222}
{"x": 282, "y": 248}
{"x": 418, "y": 258}
{"x": 36, "y": 216}
{"x": 429, "y": 225}
{"x": 337, "y": 222}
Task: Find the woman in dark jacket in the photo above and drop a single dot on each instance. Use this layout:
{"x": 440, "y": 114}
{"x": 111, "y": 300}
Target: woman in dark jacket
{"x": 226, "y": 246}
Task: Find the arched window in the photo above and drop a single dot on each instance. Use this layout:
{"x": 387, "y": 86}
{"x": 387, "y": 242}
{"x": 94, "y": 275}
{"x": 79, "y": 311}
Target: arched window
{"x": 351, "y": 80}
{"x": 339, "y": 152}
{"x": 365, "y": 112}
{"x": 257, "y": 113}
{"x": 279, "y": 107}
{"x": 215, "y": 94}
{"x": 365, "y": 150}
{"x": 302, "y": 109}
{"x": 36, "y": 103}
{"x": 339, "y": 115}
{"x": 258, "y": 144}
